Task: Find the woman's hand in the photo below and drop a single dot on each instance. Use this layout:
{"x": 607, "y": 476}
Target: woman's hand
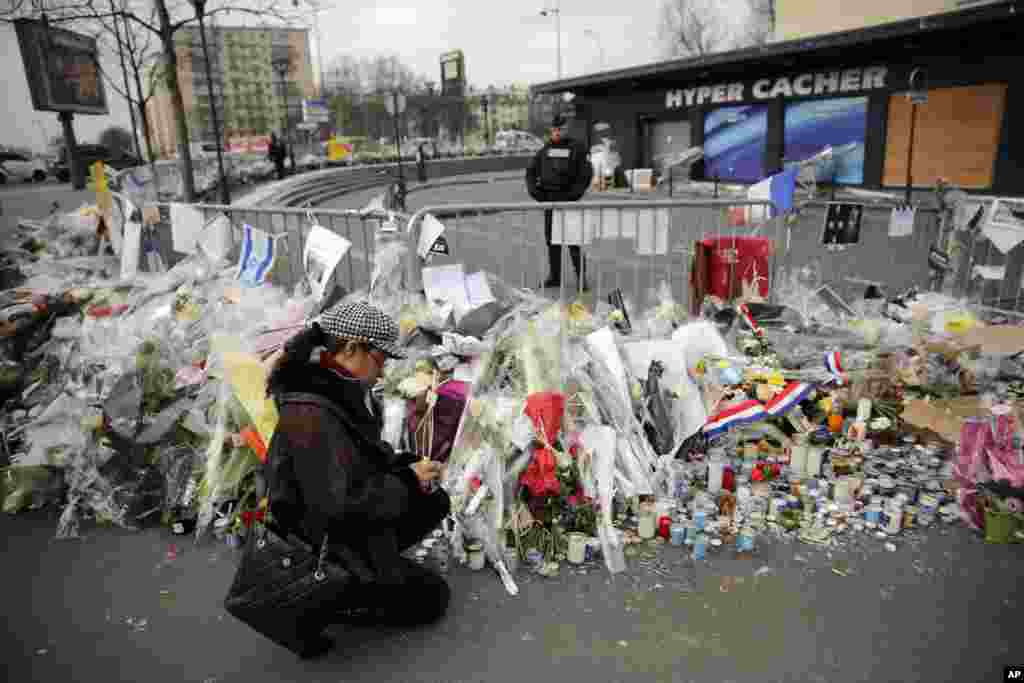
{"x": 427, "y": 470}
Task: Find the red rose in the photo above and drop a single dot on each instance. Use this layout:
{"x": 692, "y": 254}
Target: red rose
{"x": 247, "y": 518}
{"x": 776, "y": 469}
{"x": 475, "y": 483}
{"x": 757, "y": 475}
{"x": 574, "y": 501}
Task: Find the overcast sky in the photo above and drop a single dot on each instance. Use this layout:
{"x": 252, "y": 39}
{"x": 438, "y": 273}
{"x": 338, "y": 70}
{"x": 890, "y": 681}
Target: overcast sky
{"x": 503, "y": 42}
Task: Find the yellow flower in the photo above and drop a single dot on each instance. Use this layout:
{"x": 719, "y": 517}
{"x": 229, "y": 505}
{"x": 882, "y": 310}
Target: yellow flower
{"x": 826, "y": 404}
{"x": 637, "y": 391}
{"x": 616, "y": 316}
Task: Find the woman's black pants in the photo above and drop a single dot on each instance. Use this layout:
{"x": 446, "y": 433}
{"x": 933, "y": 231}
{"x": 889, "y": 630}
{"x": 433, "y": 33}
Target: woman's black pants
{"x": 423, "y": 596}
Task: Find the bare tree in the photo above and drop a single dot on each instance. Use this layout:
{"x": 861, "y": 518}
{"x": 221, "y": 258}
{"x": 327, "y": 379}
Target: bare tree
{"x": 139, "y": 52}
{"x": 692, "y": 28}
{"x": 760, "y": 27}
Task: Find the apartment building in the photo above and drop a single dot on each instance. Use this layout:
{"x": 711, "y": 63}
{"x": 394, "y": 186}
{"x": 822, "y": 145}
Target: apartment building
{"x": 248, "y": 93}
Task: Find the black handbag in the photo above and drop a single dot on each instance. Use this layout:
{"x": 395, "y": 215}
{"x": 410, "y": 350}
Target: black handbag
{"x": 284, "y": 587}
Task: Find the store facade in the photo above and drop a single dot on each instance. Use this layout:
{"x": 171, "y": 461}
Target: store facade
{"x": 754, "y": 110}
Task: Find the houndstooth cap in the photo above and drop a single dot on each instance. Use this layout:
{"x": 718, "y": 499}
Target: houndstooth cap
{"x": 362, "y": 322}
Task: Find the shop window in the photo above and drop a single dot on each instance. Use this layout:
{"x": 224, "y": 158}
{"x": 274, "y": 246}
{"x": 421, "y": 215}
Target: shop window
{"x": 734, "y": 142}
{"x": 812, "y": 126}
{"x": 956, "y": 137}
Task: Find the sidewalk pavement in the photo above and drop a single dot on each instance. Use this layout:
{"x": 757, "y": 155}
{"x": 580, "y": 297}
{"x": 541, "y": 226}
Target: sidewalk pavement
{"x": 146, "y": 606}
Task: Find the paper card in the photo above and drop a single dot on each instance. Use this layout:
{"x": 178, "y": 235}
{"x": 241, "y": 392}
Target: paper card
{"x": 130, "y": 249}
{"x": 324, "y": 250}
{"x": 901, "y": 222}
{"x": 216, "y": 241}
{"x": 430, "y": 230}
{"x": 652, "y": 232}
{"x": 150, "y": 215}
{"x": 259, "y": 251}
{"x": 186, "y": 227}
{"x": 478, "y": 290}
{"x": 447, "y": 283}
{"x": 569, "y": 227}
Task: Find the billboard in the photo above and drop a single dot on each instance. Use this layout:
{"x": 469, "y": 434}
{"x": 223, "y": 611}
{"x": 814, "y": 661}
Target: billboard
{"x": 62, "y": 69}
{"x": 734, "y": 142}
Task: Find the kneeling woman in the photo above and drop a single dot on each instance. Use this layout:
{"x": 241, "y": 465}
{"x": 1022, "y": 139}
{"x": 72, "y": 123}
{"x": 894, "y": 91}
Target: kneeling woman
{"x": 328, "y": 470}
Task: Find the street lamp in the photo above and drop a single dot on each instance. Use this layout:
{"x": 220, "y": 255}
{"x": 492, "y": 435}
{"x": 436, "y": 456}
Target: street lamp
{"x": 225, "y": 191}
{"x": 557, "y": 13}
{"x": 281, "y": 66}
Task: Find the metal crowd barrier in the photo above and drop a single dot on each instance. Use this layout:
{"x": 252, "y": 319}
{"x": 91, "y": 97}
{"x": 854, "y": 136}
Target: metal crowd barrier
{"x": 628, "y": 245}
{"x": 984, "y": 275}
{"x": 633, "y": 246}
{"x": 291, "y": 227}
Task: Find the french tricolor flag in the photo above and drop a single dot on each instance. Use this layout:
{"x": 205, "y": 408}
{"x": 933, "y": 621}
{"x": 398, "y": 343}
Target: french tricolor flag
{"x": 778, "y": 189}
{"x": 788, "y": 398}
{"x": 742, "y": 413}
{"x": 834, "y": 364}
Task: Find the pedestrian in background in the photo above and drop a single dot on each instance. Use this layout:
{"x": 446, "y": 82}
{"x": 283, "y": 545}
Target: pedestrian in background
{"x": 421, "y": 162}
{"x": 277, "y": 153}
{"x": 560, "y": 172}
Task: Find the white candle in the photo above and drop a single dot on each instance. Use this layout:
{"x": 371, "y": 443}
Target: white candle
{"x": 646, "y": 526}
{"x": 716, "y": 469}
{"x": 798, "y": 457}
{"x": 577, "y": 547}
{"x": 815, "y": 454}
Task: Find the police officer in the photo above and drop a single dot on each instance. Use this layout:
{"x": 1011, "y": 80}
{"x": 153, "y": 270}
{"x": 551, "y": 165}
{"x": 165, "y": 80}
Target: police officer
{"x": 559, "y": 172}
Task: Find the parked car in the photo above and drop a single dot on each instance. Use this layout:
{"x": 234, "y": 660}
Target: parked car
{"x": 90, "y": 154}
{"x": 517, "y": 141}
{"x": 14, "y": 166}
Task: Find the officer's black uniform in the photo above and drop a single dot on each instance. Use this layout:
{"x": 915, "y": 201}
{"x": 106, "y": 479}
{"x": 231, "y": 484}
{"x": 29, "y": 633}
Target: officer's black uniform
{"x": 560, "y": 172}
